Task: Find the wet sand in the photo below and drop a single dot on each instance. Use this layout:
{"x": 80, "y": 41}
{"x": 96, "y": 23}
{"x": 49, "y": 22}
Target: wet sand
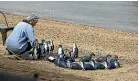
{"x": 89, "y": 39}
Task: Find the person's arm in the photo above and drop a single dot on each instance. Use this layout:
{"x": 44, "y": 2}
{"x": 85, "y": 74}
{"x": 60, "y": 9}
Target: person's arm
{"x": 31, "y": 35}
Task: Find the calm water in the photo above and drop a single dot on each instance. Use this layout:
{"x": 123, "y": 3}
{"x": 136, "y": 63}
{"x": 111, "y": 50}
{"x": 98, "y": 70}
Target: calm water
{"x": 118, "y": 15}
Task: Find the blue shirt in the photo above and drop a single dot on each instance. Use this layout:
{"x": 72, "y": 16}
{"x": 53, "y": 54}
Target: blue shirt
{"x": 22, "y": 33}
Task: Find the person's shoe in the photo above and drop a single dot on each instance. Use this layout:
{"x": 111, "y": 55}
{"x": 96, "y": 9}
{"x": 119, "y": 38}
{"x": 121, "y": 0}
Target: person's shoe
{"x": 27, "y": 56}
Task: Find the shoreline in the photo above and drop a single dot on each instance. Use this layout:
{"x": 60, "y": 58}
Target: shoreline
{"x": 10, "y": 13}
{"x": 70, "y": 28}
{"x": 51, "y": 25}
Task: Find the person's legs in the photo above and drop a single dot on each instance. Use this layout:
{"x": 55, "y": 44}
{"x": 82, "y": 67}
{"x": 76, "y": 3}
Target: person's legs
{"x": 28, "y": 48}
{"x": 13, "y": 52}
{"x": 25, "y": 54}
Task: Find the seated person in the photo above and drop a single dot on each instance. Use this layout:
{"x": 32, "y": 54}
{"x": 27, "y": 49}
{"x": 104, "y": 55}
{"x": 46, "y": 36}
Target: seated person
{"x": 22, "y": 37}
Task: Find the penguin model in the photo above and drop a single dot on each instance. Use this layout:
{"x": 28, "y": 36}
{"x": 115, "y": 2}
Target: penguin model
{"x": 86, "y": 66}
{"x": 102, "y": 58}
{"x": 46, "y": 49}
{"x": 73, "y": 65}
{"x": 112, "y": 63}
{"x": 49, "y": 47}
{"x": 60, "y": 50}
{"x": 98, "y": 65}
{"x": 60, "y": 61}
{"x": 84, "y": 59}
{"x": 52, "y": 45}
{"x": 92, "y": 65}
{"x": 35, "y": 54}
{"x": 36, "y": 50}
{"x": 87, "y": 58}
{"x": 75, "y": 50}
{"x": 67, "y": 55}
{"x": 67, "y": 52}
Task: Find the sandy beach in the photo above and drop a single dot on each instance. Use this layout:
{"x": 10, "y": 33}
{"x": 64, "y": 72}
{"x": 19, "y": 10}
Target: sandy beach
{"x": 89, "y": 39}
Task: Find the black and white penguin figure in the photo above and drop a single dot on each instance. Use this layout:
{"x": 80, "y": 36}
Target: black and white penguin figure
{"x": 92, "y": 65}
{"x": 67, "y": 55}
{"x": 73, "y": 65}
{"x": 67, "y": 52}
{"x": 98, "y": 65}
{"x": 38, "y": 47}
{"x": 112, "y": 63}
{"x": 114, "y": 58}
{"x": 36, "y": 50}
{"x": 42, "y": 49}
{"x": 87, "y": 58}
{"x": 102, "y": 58}
{"x": 46, "y": 49}
{"x": 52, "y": 45}
{"x": 37, "y": 44}
{"x": 42, "y": 53}
{"x": 60, "y": 61}
{"x": 49, "y": 48}
{"x": 35, "y": 54}
{"x": 75, "y": 50}
{"x": 60, "y": 50}
{"x": 87, "y": 65}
